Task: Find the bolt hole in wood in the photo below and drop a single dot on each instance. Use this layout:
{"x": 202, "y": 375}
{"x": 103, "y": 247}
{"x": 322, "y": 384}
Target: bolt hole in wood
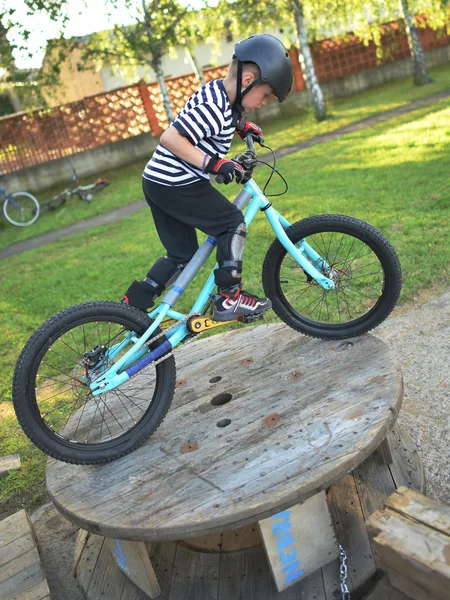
{"x": 344, "y": 346}
{"x": 215, "y": 379}
{"x": 223, "y": 422}
{"x": 221, "y": 399}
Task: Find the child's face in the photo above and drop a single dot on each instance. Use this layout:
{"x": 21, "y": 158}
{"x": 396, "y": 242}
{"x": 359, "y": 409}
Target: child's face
{"x": 258, "y": 96}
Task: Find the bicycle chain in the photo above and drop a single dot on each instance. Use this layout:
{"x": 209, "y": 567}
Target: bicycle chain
{"x": 163, "y": 333}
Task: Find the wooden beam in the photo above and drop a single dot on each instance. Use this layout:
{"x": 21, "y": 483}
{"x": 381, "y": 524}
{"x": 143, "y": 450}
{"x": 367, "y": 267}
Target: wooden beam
{"x": 298, "y": 541}
{"x": 411, "y": 544}
{"x": 21, "y": 575}
{"x": 420, "y": 508}
{"x": 133, "y": 560}
{"x": 9, "y": 463}
{"x": 385, "y": 452}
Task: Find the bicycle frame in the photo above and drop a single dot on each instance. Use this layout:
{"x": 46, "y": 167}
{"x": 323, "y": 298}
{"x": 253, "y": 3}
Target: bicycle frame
{"x": 139, "y": 356}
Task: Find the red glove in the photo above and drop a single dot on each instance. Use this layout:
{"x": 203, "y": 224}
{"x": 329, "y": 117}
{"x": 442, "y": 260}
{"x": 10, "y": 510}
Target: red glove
{"x": 228, "y": 169}
{"x": 252, "y": 129}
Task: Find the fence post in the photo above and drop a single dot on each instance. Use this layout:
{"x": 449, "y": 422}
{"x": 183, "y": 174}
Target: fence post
{"x": 298, "y": 75}
{"x": 155, "y": 127}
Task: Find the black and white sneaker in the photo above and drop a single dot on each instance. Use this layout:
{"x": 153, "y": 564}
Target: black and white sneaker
{"x": 234, "y": 303}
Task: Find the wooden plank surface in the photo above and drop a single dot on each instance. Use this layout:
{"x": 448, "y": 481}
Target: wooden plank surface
{"x": 107, "y": 580}
{"x": 383, "y": 590}
{"x": 35, "y": 592}
{"x": 412, "y": 550}
{"x": 9, "y": 463}
{"x": 292, "y": 433}
{"x": 21, "y": 574}
{"x": 245, "y": 575}
{"x": 195, "y": 575}
{"x": 406, "y": 468}
{"x": 410, "y": 588}
{"x": 348, "y": 521}
{"x": 418, "y": 507}
{"x": 133, "y": 560}
{"x": 299, "y": 540}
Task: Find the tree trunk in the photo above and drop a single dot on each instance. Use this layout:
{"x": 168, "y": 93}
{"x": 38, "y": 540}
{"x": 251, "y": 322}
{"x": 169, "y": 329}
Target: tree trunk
{"x": 420, "y": 67}
{"x": 156, "y": 64}
{"x": 312, "y": 85}
{"x": 15, "y": 101}
{"x": 190, "y": 55}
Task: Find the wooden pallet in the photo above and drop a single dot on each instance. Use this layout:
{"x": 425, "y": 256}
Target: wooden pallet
{"x": 411, "y": 541}
{"x": 21, "y": 575}
{"x": 233, "y": 565}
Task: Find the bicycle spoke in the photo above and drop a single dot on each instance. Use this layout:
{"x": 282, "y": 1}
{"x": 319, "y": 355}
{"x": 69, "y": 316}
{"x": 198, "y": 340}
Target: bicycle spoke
{"x": 62, "y": 392}
{"x": 350, "y": 263}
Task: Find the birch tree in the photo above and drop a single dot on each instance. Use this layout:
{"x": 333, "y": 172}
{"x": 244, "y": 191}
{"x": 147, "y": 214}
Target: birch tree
{"x": 420, "y": 73}
{"x": 252, "y": 16}
{"x": 312, "y": 85}
{"x": 142, "y": 43}
{"x": 367, "y": 19}
{"x": 24, "y": 86}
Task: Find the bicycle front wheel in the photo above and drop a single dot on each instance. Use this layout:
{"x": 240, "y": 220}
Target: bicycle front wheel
{"x": 51, "y": 394}
{"x": 21, "y": 209}
{"x": 362, "y": 264}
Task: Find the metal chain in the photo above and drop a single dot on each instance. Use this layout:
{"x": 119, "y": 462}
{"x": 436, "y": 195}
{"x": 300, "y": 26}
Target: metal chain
{"x": 343, "y": 573}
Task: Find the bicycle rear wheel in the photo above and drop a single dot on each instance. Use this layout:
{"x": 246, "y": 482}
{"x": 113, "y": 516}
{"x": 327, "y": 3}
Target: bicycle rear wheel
{"x": 57, "y": 201}
{"x": 51, "y": 394}
{"x": 21, "y": 209}
{"x": 361, "y": 262}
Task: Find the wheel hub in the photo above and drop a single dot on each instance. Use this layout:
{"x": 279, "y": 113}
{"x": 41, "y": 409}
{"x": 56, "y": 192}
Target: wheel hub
{"x": 339, "y": 273}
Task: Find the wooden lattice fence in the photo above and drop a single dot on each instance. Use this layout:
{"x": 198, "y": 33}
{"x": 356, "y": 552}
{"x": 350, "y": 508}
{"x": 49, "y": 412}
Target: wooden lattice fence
{"x": 28, "y": 139}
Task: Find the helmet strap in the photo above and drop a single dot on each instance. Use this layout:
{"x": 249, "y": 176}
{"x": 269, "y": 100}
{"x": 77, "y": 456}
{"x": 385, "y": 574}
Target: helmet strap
{"x": 238, "y": 109}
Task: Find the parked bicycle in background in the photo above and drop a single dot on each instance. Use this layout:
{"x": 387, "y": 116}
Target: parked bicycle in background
{"x": 19, "y": 208}
{"x": 84, "y": 192}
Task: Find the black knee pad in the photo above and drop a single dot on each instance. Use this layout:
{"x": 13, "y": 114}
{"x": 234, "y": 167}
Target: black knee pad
{"x": 231, "y": 244}
{"x": 230, "y": 251}
{"x": 164, "y": 271}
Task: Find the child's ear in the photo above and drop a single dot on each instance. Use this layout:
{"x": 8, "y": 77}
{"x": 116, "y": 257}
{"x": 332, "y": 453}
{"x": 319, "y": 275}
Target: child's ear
{"x": 247, "y": 79}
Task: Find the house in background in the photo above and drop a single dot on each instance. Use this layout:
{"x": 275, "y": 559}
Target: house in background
{"x": 75, "y": 84}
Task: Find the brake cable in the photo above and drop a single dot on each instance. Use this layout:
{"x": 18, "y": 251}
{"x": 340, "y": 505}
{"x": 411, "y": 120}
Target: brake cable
{"x": 274, "y": 170}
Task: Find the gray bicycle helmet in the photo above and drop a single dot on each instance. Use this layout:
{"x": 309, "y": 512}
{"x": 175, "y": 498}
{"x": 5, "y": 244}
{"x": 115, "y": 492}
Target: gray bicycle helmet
{"x": 273, "y": 61}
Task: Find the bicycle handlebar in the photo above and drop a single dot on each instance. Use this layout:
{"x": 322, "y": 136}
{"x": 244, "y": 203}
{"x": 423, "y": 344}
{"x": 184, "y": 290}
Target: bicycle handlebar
{"x": 250, "y": 146}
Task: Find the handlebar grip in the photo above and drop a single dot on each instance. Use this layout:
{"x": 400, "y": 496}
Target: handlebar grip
{"x": 220, "y": 178}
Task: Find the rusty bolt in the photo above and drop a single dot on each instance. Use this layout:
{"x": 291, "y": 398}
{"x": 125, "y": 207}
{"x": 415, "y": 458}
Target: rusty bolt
{"x": 294, "y": 375}
{"x": 189, "y": 447}
{"x": 180, "y": 382}
{"x": 271, "y": 419}
{"x": 246, "y": 361}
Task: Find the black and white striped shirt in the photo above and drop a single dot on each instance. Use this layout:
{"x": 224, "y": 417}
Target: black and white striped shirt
{"x": 206, "y": 121}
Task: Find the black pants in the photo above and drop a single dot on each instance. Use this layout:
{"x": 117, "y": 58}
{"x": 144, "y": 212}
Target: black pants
{"x": 179, "y": 211}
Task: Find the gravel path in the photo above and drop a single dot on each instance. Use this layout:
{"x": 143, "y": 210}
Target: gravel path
{"x": 421, "y": 341}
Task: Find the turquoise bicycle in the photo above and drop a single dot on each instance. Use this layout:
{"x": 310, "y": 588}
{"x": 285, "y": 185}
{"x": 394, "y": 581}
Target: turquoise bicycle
{"x": 97, "y": 379}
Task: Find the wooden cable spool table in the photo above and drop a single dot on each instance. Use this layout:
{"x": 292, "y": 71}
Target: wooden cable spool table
{"x": 267, "y": 454}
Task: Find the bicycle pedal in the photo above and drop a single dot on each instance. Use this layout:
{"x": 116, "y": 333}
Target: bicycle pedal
{"x": 251, "y": 318}
{"x": 201, "y": 324}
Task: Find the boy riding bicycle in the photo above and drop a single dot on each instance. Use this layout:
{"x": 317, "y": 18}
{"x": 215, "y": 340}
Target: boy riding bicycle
{"x": 176, "y": 180}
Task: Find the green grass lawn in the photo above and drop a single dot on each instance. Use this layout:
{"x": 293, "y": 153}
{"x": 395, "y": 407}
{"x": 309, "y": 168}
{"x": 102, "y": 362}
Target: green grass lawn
{"x": 394, "y": 175}
{"x": 126, "y": 181}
